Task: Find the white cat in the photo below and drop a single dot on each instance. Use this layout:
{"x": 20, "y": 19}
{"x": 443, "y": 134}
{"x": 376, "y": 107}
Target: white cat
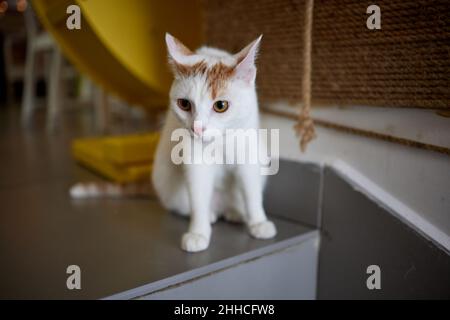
{"x": 212, "y": 91}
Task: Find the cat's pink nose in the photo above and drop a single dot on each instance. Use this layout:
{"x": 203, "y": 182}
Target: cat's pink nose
{"x": 198, "y": 128}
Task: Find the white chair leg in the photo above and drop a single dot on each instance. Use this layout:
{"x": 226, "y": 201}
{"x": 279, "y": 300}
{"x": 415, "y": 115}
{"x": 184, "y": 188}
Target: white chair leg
{"x": 54, "y": 88}
{"x": 29, "y": 87}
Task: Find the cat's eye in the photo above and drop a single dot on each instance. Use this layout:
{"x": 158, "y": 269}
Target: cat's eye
{"x": 220, "y": 106}
{"x": 184, "y": 104}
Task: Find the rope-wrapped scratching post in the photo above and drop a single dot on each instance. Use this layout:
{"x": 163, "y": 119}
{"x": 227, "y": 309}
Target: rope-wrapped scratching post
{"x": 305, "y": 126}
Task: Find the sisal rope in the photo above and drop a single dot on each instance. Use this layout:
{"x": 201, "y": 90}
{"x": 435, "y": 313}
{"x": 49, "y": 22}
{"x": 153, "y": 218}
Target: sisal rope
{"x": 305, "y": 126}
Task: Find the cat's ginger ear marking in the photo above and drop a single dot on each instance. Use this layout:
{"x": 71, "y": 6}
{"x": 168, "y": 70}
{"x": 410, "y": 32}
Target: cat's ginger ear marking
{"x": 245, "y": 68}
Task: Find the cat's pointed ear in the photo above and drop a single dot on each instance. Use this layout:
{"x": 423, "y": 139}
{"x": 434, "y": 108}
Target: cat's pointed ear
{"x": 245, "y": 68}
{"x": 178, "y": 52}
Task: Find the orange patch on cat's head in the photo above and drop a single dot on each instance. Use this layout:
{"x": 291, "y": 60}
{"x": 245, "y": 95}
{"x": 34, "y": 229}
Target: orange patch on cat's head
{"x": 216, "y": 76}
{"x": 198, "y": 68}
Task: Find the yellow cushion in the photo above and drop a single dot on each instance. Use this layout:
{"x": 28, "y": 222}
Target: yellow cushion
{"x": 120, "y": 158}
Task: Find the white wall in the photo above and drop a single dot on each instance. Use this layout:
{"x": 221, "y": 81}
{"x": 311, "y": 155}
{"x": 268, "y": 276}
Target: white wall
{"x": 418, "y": 179}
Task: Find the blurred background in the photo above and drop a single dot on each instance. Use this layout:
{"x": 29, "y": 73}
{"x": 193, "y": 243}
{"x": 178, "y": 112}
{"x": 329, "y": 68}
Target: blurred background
{"x": 39, "y": 84}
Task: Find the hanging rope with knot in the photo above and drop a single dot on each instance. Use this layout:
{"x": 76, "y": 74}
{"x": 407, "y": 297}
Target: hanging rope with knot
{"x": 305, "y": 126}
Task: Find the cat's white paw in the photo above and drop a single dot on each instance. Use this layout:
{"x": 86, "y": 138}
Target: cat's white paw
{"x": 193, "y": 242}
{"x": 263, "y": 230}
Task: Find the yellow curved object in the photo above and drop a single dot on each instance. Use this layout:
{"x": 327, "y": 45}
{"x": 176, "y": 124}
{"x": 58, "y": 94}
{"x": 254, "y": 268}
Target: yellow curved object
{"x": 121, "y": 42}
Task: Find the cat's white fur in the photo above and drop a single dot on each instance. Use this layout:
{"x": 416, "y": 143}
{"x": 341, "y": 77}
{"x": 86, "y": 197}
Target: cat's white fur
{"x": 205, "y": 192}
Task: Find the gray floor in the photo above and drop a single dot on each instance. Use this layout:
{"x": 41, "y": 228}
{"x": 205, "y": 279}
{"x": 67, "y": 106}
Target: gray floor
{"x": 119, "y": 244}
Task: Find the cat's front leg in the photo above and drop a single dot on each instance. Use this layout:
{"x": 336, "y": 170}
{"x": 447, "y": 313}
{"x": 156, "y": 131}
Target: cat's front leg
{"x": 200, "y": 180}
{"x": 252, "y": 186}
